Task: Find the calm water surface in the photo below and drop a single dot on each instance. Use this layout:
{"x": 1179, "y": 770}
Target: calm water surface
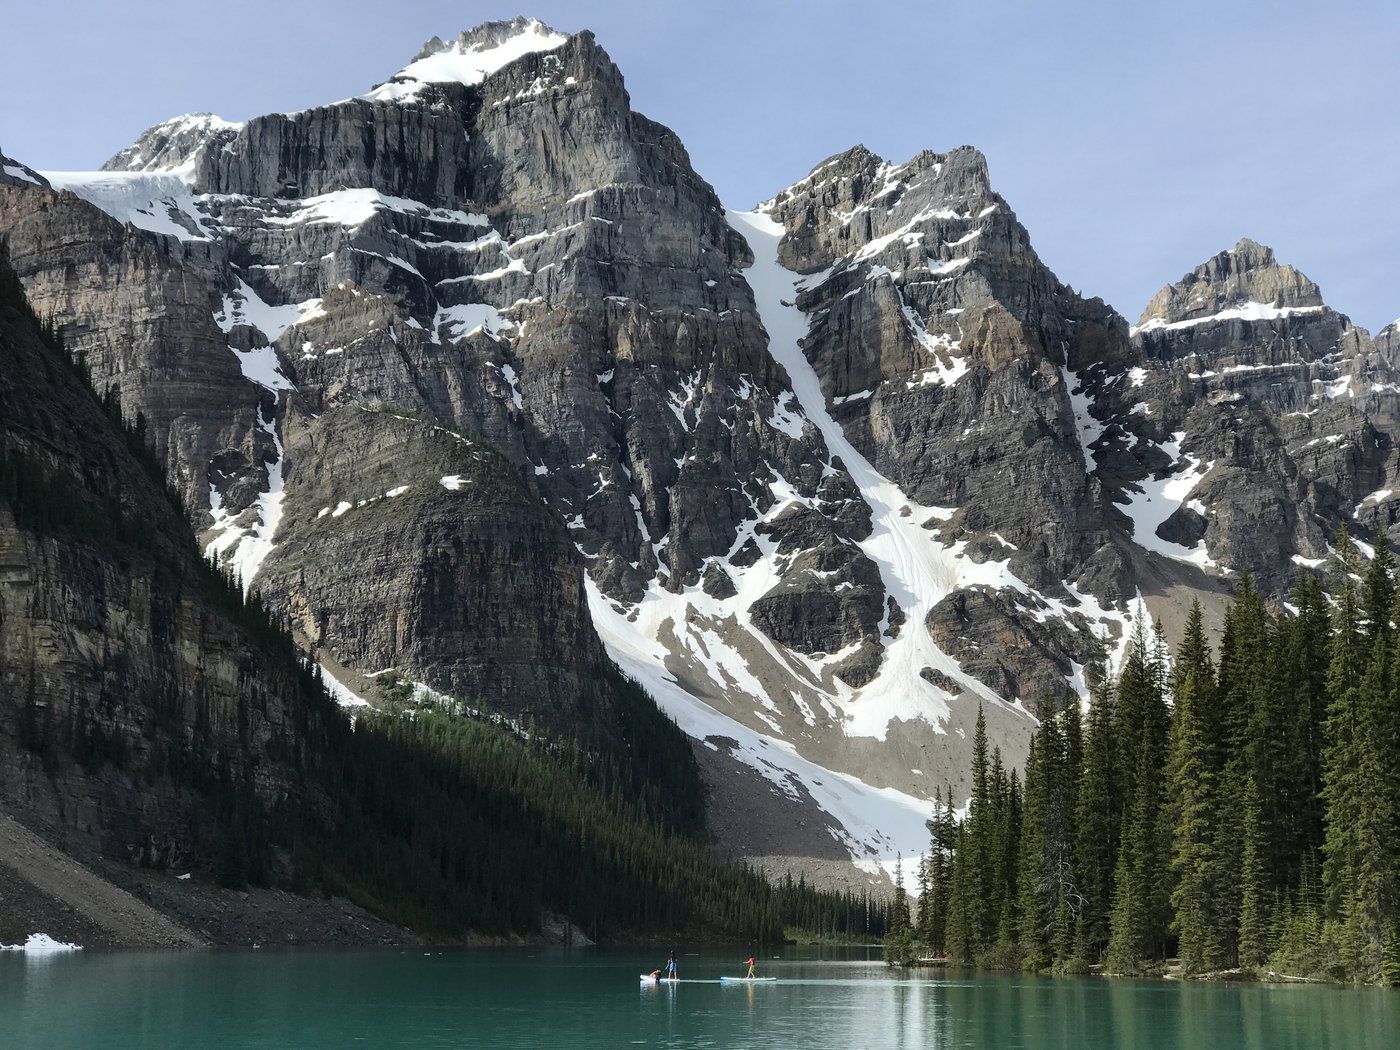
{"x": 591, "y": 999}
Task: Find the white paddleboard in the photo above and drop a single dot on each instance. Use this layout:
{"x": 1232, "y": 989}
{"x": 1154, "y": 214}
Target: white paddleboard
{"x": 746, "y": 980}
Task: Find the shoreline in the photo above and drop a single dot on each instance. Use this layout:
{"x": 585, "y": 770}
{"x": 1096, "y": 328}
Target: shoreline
{"x": 1236, "y": 975}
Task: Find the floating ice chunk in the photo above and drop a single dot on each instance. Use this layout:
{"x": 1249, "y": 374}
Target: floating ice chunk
{"x": 41, "y": 944}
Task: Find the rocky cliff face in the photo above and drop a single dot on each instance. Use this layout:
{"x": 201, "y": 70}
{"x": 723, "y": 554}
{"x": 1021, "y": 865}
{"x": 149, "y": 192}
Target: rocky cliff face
{"x": 384, "y": 252}
{"x": 475, "y": 368}
{"x": 406, "y": 545}
{"x": 1279, "y": 408}
{"x": 138, "y": 307}
{"x": 974, "y": 380}
{"x": 132, "y": 692}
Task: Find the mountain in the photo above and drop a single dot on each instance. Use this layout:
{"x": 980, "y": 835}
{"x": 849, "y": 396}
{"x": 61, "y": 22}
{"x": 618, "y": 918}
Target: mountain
{"x": 1279, "y": 411}
{"x": 476, "y": 381}
{"x": 155, "y": 721}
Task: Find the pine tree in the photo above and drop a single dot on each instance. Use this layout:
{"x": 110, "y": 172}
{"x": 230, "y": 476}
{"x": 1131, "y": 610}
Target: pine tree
{"x": 899, "y": 948}
{"x": 1194, "y": 786}
{"x": 1061, "y": 847}
{"x": 1193, "y": 658}
{"x": 1035, "y": 893}
{"x": 961, "y": 936}
{"x": 933, "y": 910}
{"x": 1137, "y": 924}
{"x": 1302, "y": 678}
{"x": 1241, "y": 685}
{"x": 919, "y": 925}
{"x": 1256, "y": 915}
{"x": 1133, "y": 710}
{"x": 1097, "y": 824}
{"x": 1047, "y": 891}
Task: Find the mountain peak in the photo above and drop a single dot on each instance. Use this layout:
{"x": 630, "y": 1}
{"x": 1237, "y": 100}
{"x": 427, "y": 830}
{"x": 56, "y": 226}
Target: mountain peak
{"x": 870, "y": 169}
{"x": 1249, "y": 246}
{"x": 1246, "y": 282}
{"x": 471, "y": 58}
{"x": 171, "y": 143}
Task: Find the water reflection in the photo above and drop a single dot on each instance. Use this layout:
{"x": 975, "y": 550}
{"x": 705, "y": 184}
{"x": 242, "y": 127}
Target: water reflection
{"x": 584, "y": 1000}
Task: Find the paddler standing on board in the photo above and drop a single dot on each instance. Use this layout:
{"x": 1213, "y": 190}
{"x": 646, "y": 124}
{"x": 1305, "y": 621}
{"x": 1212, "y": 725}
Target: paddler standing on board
{"x": 750, "y": 975}
{"x": 671, "y": 968}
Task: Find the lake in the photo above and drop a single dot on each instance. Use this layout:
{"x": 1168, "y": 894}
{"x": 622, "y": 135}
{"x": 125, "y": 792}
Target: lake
{"x": 591, "y": 999}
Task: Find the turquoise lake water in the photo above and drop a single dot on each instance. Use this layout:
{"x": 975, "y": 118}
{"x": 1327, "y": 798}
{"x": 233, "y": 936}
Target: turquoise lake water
{"x": 592, "y": 999}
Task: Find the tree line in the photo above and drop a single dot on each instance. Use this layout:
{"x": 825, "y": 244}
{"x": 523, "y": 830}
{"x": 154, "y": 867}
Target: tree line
{"x": 1235, "y": 808}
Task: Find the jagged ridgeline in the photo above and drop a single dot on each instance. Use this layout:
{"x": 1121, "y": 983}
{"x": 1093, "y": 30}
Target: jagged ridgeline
{"x": 149, "y": 712}
{"x": 1234, "y": 811}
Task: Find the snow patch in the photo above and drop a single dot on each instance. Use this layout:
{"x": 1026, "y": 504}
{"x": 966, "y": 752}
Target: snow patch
{"x": 356, "y": 205}
{"x": 916, "y": 570}
{"x": 877, "y": 823}
{"x": 466, "y": 319}
{"x": 339, "y": 691}
{"x": 470, "y": 64}
{"x": 244, "y": 306}
{"x": 784, "y": 418}
{"x": 16, "y": 172}
{"x": 1247, "y": 311}
{"x": 1162, "y": 497}
{"x": 509, "y": 372}
{"x": 1088, "y": 428}
{"x": 1374, "y": 498}
{"x": 161, "y": 202}
{"x": 245, "y": 547}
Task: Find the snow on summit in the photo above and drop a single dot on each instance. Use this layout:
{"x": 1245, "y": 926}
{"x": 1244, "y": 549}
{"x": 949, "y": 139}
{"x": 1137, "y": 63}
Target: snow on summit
{"x": 469, "y": 59}
{"x": 170, "y": 145}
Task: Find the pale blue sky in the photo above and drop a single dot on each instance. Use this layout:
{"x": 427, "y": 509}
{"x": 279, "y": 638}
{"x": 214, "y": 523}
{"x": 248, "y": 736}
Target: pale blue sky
{"x": 1133, "y": 139}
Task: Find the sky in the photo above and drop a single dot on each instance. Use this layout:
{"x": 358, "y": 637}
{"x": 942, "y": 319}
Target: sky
{"x": 1134, "y": 140}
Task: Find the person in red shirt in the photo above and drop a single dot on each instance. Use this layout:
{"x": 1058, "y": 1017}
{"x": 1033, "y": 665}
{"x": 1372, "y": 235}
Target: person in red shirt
{"x": 750, "y": 974}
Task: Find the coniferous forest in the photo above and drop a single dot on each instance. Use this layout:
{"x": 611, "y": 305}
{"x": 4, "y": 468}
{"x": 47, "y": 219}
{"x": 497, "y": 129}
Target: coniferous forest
{"x": 1228, "y": 807}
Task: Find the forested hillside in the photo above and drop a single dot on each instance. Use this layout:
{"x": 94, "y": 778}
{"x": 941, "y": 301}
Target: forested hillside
{"x": 1232, "y": 809}
{"x": 146, "y": 701}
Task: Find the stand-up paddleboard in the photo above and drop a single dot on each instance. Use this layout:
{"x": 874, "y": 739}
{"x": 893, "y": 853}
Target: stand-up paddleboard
{"x": 747, "y": 980}
{"x": 649, "y": 979}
